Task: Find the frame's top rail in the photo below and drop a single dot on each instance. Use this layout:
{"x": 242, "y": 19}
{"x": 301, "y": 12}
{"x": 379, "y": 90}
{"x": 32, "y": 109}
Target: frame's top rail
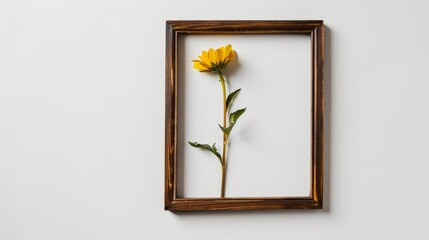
{"x": 244, "y": 26}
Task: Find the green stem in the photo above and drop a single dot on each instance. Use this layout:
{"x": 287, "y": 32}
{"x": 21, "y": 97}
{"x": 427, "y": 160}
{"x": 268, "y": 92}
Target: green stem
{"x": 225, "y": 137}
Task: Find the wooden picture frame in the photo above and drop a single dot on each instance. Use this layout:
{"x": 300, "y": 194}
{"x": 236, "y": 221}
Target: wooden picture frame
{"x": 315, "y": 29}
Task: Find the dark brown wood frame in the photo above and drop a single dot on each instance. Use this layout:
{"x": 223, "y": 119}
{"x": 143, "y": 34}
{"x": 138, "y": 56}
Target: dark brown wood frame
{"x": 175, "y": 28}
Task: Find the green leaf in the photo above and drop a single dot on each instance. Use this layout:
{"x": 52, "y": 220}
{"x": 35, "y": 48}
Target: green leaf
{"x": 231, "y": 98}
{"x": 232, "y": 120}
{"x": 208, "y": 148}
{"x": 235, "y": 115}
{"x": 226, "y": 130}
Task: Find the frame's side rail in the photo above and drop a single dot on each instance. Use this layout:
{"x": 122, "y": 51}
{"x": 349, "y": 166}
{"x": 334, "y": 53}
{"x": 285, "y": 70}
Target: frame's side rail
{"x": 170, "y": 117}
{"x": 317, "y": 113}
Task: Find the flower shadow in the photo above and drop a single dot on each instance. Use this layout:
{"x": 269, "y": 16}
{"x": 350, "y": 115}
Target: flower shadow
{"x": 232, "y": 68}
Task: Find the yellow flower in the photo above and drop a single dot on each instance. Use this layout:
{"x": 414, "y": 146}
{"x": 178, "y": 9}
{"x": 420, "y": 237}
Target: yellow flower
{"x": 214, "y": 60}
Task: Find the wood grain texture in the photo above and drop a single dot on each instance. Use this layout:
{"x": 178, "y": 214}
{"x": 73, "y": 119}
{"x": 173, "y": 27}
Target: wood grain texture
{"x": 170, "y": 117}
{"x": 172, "y": 201}
{"x": 244, "y": 27}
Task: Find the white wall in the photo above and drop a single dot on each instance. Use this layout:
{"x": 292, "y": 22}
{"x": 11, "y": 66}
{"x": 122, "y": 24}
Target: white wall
{"x": 82, "y": 118}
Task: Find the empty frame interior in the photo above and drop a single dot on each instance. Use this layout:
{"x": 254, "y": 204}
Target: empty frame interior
{"x": 270, "y": 147}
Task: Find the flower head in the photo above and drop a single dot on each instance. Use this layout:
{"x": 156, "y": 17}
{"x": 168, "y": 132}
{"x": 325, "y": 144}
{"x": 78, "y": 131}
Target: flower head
{"x": 214, "y": 60}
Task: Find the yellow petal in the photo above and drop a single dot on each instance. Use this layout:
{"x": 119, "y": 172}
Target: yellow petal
{"x": 202, "y": 63}
{"x": 205, "y": 58}
{"x": 212, "y": 55}
{"x": 223, "y": 52}
{"x": 227, "y": 50}
{"x": 231, "y": 54}
{"x": 219, "y": 56}
{"x": 198, "y": 66}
